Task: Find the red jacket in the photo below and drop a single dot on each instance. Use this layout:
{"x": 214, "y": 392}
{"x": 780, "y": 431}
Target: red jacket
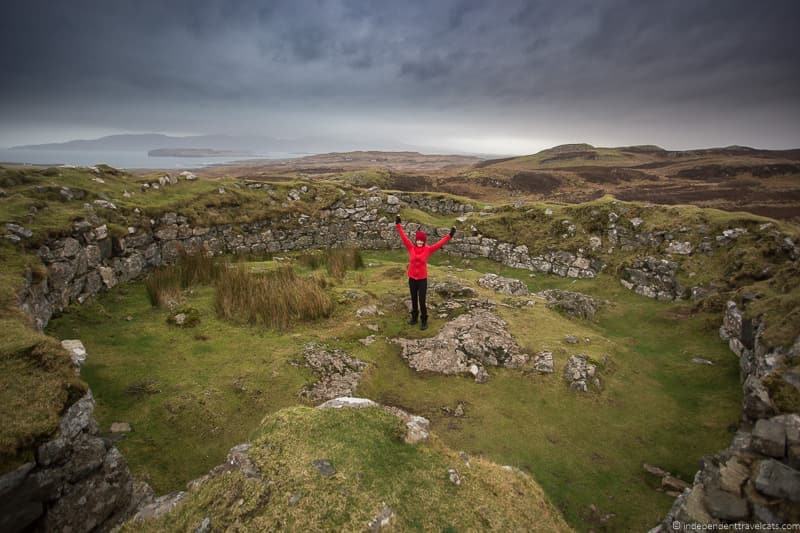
{"x": 418, "y": 255}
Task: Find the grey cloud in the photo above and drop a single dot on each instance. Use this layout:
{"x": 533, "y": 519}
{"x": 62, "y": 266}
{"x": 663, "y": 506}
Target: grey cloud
{"x": 206, "y": 64}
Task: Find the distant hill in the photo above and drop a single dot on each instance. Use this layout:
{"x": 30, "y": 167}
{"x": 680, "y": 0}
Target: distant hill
{"x": 195, "y": 152}
{"x": 247, "y": 144}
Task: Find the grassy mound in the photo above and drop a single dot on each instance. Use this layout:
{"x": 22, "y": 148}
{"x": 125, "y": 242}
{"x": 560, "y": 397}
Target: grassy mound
{"x": 38, "y": 383}
{"x": 373, "y": 468}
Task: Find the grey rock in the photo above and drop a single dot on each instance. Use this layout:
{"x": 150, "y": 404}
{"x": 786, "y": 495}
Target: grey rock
{"x": 510, "y": 286}
{"x": 93, "y": 500}
{"x": 679, "y": 248}
{"x": 159, "y": 506}
{"x": 368, "y": 311}
{"x": 105, "y": 204}
{"x": 108, "y": 276}
{"x": 76, "y": 350}
{"x": 19, "y": 231}
{"x": 204, "y": 527}
{"x": 78, "y": 417}
{"x": 368, "y": 340}
{"x": 453, "y": 288}
{"x": 769, "y": 438}
{"x": 324, "y": 467}
{"x": 778, "y": 480}
{"x": 382, "y": 520}
{"x": 543, "y": 362}
{"x": 347, "y": 402}
{"x": 579, "y": 373}
{"x": 454, "y": 476}
{"x": 13, "y": 479}
{"x": 726, "y": 506}
{"x": 474, "y": 340}
{"x": 53, "y": 451}
{"x": 571, "y": 303}
{"x": 120, "y": 427}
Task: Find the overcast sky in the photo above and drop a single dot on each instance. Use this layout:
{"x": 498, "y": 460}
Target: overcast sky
{"x": 492, "y": 77}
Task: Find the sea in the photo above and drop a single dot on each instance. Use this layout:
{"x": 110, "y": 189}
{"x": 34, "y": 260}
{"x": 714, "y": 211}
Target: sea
{"x": 124, "y": 159}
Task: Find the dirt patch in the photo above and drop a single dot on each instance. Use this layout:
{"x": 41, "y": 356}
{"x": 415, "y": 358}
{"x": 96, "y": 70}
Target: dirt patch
{"x": 536, "y": 182}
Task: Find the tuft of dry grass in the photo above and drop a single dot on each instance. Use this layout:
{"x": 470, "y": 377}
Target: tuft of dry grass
{"x": 197, "y": 268}
{"x": 193, "y": 268}
{"x": 274, "y": 299}
{"x": 163, "y": 286}
{"x": 337, "y": 261}
{"x": 340, "y": 260}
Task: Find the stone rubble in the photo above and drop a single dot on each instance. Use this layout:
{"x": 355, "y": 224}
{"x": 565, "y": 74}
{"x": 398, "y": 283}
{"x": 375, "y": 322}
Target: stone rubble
{"x": 466, "y": 345}
{"x": 338, "y": 373}
{"x": 510, "y": 286}
{"x": 543, "y": 362}
{"x": 572, "y": 303}
{"x": 452, "y": 287}
{"x": 579, "y": 373}
{"x": 654, "y": 278}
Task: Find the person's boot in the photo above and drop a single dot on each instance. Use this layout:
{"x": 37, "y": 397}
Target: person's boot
{"x": 412, "y": 320}
{"x": 424, "y": 324}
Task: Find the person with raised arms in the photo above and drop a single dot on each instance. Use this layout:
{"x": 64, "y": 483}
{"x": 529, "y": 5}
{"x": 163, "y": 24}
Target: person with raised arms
{"x": 418, "y": 254}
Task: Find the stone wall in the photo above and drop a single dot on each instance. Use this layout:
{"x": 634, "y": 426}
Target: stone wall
{"x": 77, "y": 481}
{"x": 754, "y": 479}
{"x": 757, "y": 478}
{"x": 90, "y": 260}
{"x": 653, "y": 277}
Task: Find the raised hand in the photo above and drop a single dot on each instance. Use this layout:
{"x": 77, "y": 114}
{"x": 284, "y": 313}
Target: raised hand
{"x": 397, "y": 219}
{"x": 452, "y": 231}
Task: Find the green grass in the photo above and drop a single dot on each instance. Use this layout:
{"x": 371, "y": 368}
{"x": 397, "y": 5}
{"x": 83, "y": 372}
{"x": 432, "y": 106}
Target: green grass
{"x": 656, "y": 405}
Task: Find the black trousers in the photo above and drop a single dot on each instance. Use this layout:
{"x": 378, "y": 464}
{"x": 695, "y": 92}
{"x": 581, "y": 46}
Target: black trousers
{"x": 419, "y": 289}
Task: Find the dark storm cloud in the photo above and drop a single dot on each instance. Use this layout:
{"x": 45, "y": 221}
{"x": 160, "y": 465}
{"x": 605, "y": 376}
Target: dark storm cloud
{"x": 513, "y": 67}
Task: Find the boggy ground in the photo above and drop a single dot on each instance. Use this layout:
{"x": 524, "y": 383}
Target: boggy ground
{"x": 190, "y": 394}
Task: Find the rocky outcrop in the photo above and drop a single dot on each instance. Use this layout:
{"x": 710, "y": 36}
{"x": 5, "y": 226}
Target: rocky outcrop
{"x": 466, "y": 345}
{"x": 757, "y": 478}
{"x": 654, "y": 278}
{"x": 580, "y": 374}
{"x": 451, "y": 287}
{"x": 77, "y": 481}
{"x": 571, "y": 303}
{"x": 543, "y": 362}
{"x": 510, "y": 286}
{"x": 338, "y": 372}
